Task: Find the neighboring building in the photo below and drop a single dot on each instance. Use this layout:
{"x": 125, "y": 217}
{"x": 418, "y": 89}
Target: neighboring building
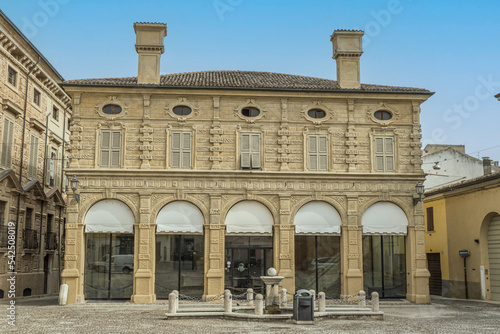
{"x": 464, "y": 216}
{"x": 201, "y": 181}
{"x": 448, "y": 164}
{"x": 32, "y": 202}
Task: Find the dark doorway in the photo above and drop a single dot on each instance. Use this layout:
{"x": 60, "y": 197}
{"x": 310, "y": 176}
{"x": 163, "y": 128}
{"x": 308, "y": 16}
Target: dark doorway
{"x": 247, "y": 258}
{"x": 435, "y": 281}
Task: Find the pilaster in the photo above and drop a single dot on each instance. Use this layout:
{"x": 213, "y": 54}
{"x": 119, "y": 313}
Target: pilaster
{"x": 284, "y": 246}
{"x": 214, "y": 250}
{"x": 352, "y": 252}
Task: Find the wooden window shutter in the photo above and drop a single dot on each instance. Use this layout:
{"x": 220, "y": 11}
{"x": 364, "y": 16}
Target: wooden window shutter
{"x": 255, "y": 151}
{"x": 7, "y": 143}
{"x": 322, "y": 153}
{"x": 176, "y": 150}
{"x": 245, "y": 151}
{"x": 33, "y": 156}
{"x": 389, "y": 154}
{"x": 105, "y": 148}
{"x": 186, "y": 150}
{"x": 115, "y": 149}
{"x": 379, "y": 154}
{"x": 430, "y": 219}
{"x": 313, "y": 152}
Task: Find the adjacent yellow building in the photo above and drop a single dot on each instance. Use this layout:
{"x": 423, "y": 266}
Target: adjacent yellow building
{"x": 201, "y": 181}
{"x": 465, "y": 217}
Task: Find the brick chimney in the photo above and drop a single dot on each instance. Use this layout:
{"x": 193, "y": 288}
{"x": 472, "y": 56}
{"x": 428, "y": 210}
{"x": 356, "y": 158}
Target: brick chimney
{"x": 347, "y": 49}
{"x": 486, "y": 165}
{"x": 149, "y": 46}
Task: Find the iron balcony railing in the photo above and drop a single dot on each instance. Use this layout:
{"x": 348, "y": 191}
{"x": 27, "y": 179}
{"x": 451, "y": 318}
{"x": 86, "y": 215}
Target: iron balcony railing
{"x": 30, "y": 239}
{"x": 50, "y": 241}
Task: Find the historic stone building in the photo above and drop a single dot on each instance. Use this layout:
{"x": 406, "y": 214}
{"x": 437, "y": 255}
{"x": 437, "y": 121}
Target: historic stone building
{"x": 201, "y": 181}
{"x": 34, "y": 121}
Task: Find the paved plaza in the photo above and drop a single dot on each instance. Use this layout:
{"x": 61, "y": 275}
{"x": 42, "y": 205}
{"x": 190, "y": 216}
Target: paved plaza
{"x": 442, "y": 316}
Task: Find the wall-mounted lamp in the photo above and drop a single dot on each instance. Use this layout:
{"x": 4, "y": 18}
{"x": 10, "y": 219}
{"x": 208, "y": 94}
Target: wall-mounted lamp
{"x": 74, "y": 186}
{"x": 420, "y": 191}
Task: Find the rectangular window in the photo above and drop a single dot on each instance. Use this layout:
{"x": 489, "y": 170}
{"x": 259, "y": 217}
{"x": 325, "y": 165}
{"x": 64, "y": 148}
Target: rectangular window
{"x": 181, "y": 150}
{"x": 36, "y": 97}
{"x": 7, "y": 143}
{"x": 317, "y": 152}
{"x": 50, "y": 167}
{"x": 33, "y": 157}
{"x": 28, "y": 219}
{"x": 3, "y": 206}
{"x": 12, "y": 76}
{"x": 384, "y": 154}
{"x": 430, "y": 219}
{"x": 250, "y": 151}
{"x": 55, "y": 113}
{"x": 50, "y": 219}
{"x": 111, "y": 143}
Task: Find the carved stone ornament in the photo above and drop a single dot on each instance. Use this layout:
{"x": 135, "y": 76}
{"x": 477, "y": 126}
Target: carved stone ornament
{"x": 112, "y": 99}
{"x": 250, "y": 103}
{"x": 181, "y": 101}
{"x": 382, "y": 106}
{"x": 316, "y": 105}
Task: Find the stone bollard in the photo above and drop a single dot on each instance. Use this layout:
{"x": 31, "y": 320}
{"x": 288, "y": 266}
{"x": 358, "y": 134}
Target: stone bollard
{"x": 259, "y": 305}
{"x": 362, "y": 299}
{"x": 172, "y": 303}
{"x": 228, "y": 301}
{"x": 250, "y": 297}
{"x": 321, "y": 302}
{"x": 283, "y": 300}
{"x": 63, "y": 294}
{"x": 176, "y": 299}
{"x": 314, "y": 298}
{"x": 375, "y": 302}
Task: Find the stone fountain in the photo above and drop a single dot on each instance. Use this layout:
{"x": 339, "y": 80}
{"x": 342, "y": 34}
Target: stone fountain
{"x": 272, "y": 283}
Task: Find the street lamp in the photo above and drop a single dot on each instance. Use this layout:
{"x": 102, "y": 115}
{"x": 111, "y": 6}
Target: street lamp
{"x": 420, "y": 188}
{"x": 74, "y": 186}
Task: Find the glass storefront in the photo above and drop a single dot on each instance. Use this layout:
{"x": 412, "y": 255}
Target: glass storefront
{"x": 179, "y": 265}
{"x": 109, "y": 266}
{"x": 317, "y": 264}
{"x": 384, "y": 265}
{"x": 247, "y": 258}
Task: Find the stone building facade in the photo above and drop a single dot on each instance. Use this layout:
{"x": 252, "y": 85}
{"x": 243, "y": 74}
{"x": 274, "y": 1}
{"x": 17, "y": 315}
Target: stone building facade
{"x": 33, "y": 129}
{"x": 201, "y": 181}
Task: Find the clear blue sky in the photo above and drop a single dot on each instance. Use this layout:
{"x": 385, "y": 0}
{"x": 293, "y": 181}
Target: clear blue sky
{"x": 449, "y": 47}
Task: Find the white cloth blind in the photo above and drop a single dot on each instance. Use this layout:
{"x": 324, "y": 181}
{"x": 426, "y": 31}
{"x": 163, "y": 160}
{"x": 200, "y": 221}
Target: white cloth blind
{"x": 317, "y": 217}
{"x": 109, "y": 216}
{"x": 384, "y": 218}
{"x": 180, "y": 217}
{"x": 249, "y": 217}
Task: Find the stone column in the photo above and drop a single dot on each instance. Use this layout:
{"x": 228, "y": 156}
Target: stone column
{"x": 144, "y": 254}
{"x": 72, "y": 275}
{"x": 284, "y": 245}
{"x": 352, "y": 253}
{"x": 418, "y": 280}
{"x": 214, "y": 250}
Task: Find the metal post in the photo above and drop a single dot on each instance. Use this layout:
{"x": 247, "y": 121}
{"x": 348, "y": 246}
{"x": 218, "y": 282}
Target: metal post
{"x": 465, "y": 275}
{"x": 316, "y": 256}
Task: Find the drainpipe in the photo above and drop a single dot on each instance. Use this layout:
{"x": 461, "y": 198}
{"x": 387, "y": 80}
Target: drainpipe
{"x": 43, "y": 177}
{"x": 22, "y": 157}
{"x": 59, "y": 233}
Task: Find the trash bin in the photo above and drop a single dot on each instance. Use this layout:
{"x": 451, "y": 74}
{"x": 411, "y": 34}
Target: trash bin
{"x": 303, "y": 307}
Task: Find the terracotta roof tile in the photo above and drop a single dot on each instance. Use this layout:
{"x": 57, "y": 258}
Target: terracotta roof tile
{"x": 463, "y": 184}
{"x": 241, "y": 80}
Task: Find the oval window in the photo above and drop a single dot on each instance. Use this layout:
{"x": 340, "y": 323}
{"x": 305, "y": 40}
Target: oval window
{"x": 250, "y": 112}
{"x": 382, "y": 115}
{"x": 182, "y": 110}
{"x": 112, "y": 109}
{"x": 316, "y": 113}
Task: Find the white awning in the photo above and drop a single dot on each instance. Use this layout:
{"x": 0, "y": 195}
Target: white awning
{"x": 384, "y": 218}
{"x": 109, "y": 216}
{"x": 317, "y": 217}
{"x": 249, "y": 217}
{"x": 180, "y": 217}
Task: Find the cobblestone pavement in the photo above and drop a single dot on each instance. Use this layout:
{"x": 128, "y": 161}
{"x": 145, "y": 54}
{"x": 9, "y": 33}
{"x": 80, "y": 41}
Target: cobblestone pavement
{"x": 442, "y": 316}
